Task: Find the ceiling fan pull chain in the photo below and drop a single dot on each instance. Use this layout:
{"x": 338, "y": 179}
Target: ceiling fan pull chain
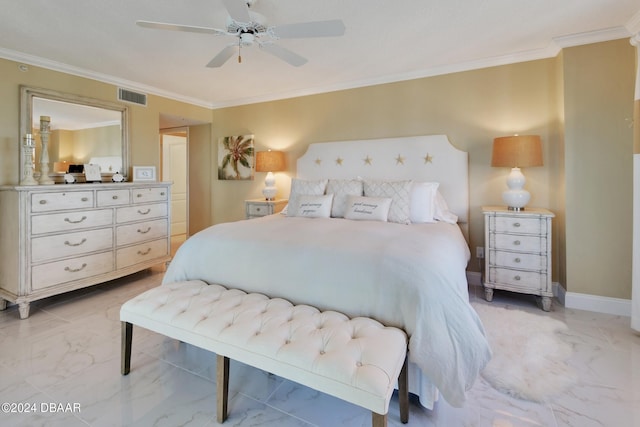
{"x": 239, "y": 50}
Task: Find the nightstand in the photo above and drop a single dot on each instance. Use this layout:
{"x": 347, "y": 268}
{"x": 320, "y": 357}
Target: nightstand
{"x": 256, "y": 208}
{"x": 518, "y": 252}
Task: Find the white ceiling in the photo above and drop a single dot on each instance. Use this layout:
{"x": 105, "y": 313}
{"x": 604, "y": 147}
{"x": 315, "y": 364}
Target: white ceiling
{"x": 384, "y": 41}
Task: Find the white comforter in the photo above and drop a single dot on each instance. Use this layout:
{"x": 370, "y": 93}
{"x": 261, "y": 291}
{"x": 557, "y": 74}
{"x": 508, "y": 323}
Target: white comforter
{"x": 409, "y": 276}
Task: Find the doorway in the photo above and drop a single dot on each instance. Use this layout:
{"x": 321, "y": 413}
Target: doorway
{"x": 174, "y": 167}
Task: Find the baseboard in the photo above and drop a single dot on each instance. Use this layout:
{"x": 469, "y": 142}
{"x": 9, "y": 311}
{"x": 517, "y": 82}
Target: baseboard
{"x": 574, "y": 300}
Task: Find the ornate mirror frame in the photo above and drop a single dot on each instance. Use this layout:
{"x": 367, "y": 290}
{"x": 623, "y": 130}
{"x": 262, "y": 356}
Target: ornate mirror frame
{"x": 27, "y": 94}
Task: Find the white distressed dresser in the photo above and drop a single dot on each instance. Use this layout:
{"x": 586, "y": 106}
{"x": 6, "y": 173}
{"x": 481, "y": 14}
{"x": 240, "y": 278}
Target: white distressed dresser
{"x": 58, "y": 238}
{"x": 518, "y": 252}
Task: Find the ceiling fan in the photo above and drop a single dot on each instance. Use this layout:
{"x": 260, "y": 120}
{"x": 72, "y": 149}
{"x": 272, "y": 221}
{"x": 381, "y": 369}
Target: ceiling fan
{"x": 250, "y": 28}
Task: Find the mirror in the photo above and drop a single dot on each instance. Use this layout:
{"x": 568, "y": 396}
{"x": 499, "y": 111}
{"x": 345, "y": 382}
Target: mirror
{"x": 82, "y": 131}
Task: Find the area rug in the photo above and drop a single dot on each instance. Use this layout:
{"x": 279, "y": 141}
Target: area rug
{"x": 529, "y": 355}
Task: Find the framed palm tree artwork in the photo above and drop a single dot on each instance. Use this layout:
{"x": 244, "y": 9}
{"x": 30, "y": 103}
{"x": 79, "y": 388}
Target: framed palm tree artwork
{"x": 236, "y": 157}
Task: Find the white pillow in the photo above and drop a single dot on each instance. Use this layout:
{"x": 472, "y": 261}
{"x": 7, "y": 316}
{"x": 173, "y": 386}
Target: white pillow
{"x": 423, "y": 200}
{"x": 442, "y": 212}
{"x": 314, "y": 206}
{"x": 400, "y": 194}
{"x": 301, "y": 187}
{"x": 341, "y": 190}
{"x": 367, "y": 208}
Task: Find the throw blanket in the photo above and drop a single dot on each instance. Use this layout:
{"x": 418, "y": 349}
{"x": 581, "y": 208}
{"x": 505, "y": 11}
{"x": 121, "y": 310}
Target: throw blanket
{"x": 408, "y": 276}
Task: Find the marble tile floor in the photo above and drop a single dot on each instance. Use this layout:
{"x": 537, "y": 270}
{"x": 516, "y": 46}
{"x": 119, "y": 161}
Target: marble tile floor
{"x": 63, "y": 364}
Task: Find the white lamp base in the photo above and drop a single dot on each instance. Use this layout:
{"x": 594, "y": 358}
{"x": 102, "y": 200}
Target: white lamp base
{"x": 516, "y": 197}
{"x": 269, "y": 191}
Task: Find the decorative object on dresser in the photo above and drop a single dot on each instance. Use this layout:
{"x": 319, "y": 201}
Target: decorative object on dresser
{"x": 59, "y": 238}
{"x": 518, "y": 252}
{"x": 45, "y": 122}
{"x": 92, "y": 173}
{"x": 144, "y": 173}
{"x": 516, "y": 152}
{"x": 28, "y": 148}
{"x": 269, "y": 162}
{"x": 255, "y": 208}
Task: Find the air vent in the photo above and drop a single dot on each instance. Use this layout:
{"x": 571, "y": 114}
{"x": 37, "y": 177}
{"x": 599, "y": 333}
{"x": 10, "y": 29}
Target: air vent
{"x": 133, "y": 97}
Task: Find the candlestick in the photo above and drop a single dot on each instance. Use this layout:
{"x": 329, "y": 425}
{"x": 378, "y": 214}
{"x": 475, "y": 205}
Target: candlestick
{"x": 44, "y": 155}
{"x": 28, "y": 161}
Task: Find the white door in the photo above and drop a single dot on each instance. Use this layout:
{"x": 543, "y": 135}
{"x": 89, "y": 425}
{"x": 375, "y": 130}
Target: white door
{"x": 174, "y": 169}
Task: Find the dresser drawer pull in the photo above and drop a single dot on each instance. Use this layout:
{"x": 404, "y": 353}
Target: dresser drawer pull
{"x": 114, "y": 197}
{"x": 144, "y": 213}
{"x": 517, "y": 260}
{"x": 162, "y": 193}
{"x": 517, "y": 278}
{"x": 516, "y": 242}
{"x": 145, "y": 231}
{"x": 516, "y": 224}
{"x": 43, "y": 202}
{"x": 75, "y": 244}
{"x": 138, "y": 195}
{"x": 144, "y": 252}
{"x": 85, "y": 199}
{"x": 75, "y": 270}
{"x": 75, "y": 222}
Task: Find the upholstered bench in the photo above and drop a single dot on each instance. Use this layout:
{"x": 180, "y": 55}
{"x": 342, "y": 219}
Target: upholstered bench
{"x": 357, "y": 360}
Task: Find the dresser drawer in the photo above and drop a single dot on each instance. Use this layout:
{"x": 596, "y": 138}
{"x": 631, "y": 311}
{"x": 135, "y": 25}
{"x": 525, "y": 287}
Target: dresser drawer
{"x": 143, "y": 252}
{"x": 505, "y": 224}
{"x": 112, "y": 197}
{"x": 64, "y": 200}
{"x": 70, "y": 221}
{"x": 64, "y": 245}
{"x": 142, "y": 231}
{"x": 56, "y": 273}
{"x": 153, "y": 194}
{"x": 524, "y": 279}
{"x": 518, "y": 261}
{"x": 142, "y": 212}
{"x": 517, "y": 243}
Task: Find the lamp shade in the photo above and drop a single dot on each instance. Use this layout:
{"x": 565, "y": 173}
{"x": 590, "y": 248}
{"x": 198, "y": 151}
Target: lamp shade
{"x": 517, "y": 151}
{"x": 269, "y": 161}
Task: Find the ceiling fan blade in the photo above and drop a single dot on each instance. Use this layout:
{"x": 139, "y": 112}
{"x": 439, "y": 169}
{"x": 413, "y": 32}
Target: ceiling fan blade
{"x": 331, "y": 28}
{"x": 223, "y": 56}
{"x": 178, "y": 27}
{"x": 284, "y": 54}
{"x": 238, "y": 10}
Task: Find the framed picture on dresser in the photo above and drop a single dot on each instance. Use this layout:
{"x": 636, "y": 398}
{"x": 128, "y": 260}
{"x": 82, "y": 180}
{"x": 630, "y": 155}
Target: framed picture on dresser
{"x": 144, "y": 173}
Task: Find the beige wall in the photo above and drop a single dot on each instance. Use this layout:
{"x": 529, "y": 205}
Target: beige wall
{"x": 599, "y": 84}
{"x": 577, "y": 103}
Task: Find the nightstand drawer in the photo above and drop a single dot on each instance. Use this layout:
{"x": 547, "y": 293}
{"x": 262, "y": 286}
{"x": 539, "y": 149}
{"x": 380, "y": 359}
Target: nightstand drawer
{"x": 254, "y": 209}
{"x": 518, "y": 261}
{"x": 505, "y": 224}
{"x": 523, "y": 279}
{"x": 518, "y": 243}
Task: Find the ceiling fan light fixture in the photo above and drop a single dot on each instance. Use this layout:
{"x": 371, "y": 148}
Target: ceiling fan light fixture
{"x": 247, "y": 39}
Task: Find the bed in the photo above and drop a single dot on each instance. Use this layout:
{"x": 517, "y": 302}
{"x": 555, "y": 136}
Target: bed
{"x": 408, "y": 273}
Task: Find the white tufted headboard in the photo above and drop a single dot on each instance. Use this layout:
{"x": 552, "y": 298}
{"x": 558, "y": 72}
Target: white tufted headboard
{"x": 420, "y": 158}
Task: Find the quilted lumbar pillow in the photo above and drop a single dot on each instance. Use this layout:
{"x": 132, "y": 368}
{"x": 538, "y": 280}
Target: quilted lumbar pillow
{"x": 301, "y": 187}
{"x": 367, "y": 208}
{"x": 315, "y": 206}
{"x": 341, "y": 190}
{"x": 400, "y": 194}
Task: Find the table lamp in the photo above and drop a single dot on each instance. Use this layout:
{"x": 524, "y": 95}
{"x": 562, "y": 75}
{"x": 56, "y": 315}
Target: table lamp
{"x": 269, "y": 161}
{"x": 516, "y": 152}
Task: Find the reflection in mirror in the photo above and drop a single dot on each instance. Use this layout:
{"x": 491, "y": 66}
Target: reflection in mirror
{"x": 83, "y": 131}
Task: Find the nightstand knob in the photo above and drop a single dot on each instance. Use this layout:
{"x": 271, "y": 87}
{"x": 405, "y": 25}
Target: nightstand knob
{"x": 517, "y": 242}
{"x": 517, "y": 260}
{"x": 517, "y": 278}
{"x": 516, "y": 224}
{"x": 258, "y": 209}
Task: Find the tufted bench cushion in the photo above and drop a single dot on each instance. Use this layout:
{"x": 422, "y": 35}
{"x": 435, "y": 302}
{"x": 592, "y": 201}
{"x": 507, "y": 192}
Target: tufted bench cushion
{"x": 357, "y": 360}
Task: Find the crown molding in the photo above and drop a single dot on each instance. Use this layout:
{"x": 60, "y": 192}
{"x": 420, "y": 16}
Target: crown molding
{"x": 104, "y": 78}
{"x": 633, "y": 26}
{"x": 580, "y": 39}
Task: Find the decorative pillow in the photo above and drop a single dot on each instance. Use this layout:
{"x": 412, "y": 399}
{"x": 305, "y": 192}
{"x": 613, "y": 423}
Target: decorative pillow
{"x": 300, "y": 187}
{"x": 314, "y": 206}
{"x": 341, "y": 190}
{"x": 400, "y": 194}
{"x": 423, "y": 200}
{"x": 367, "y": 208}
{"x": 442, "y": 212}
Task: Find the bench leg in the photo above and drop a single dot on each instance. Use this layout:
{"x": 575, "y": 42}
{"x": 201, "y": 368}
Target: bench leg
{"x": 127, "y": 334}
{"x": 403, "y": 392}
{"x": 378, "y": 420}
{"x": 222, "y": 381}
